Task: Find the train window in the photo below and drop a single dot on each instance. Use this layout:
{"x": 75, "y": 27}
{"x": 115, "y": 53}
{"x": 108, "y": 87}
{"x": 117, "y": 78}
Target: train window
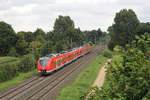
{"x": 59, "y": 61}
{"x": 54, "y": 63}
{"x": 44, "y": 61}
{"x": 63, "y": 59}
{"x": 68, "y": 57}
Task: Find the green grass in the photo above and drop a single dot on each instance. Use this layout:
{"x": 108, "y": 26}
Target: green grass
{"x": 16, "y": 80}
{"x": 7, "y": 59}
{"x": 83, "y": 82}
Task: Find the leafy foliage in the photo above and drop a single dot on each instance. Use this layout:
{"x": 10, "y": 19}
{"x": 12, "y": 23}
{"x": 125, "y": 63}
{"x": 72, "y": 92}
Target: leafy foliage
{"x": 142, "y": 28}
{"x": 66, "y": 34}
{"x": 7, "y": 38}
{"x": 47, "y": 48}
{"x": 21, "y": 45}
{"x": 117, "y": 48}
{"x": 28, "y": 36}
{"x": 62, "y": 24}
{"x": 12, "y": 52}
{"x": 27, "y": 63}
{"x": 35, "y": 49}
{"x": 129, "y": 78}
{"x": 107, "y": 54}
{"x": 123, "y": 30}
{"x": 14, "y": 66}
{"x": 39, "y": 35}
{"x": 94, "y": 35}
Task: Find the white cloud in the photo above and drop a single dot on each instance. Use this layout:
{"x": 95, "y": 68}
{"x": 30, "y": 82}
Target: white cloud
{"x": 27, "y": 15}
{"x": 24, "y": 9}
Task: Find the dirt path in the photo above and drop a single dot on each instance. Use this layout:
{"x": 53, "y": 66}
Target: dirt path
{"x": 99, "y": 81}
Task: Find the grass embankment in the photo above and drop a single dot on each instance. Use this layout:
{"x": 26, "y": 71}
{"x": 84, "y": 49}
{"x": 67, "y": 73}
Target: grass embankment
{"x": 7, "y": 59}
{"x": 20, "y": 78}
{"x": 84, "y": 80}
{"x": 14, "y": 70}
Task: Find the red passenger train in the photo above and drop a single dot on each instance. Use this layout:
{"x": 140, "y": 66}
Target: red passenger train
{"x": 53, "y": 62}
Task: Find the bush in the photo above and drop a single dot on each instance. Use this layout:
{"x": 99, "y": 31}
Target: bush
{"x": 8, "y": 71}
{"x": 111, "y": 45}
{"x": 12, "y": 52}
{"x": 129, "y": 78}
{"x": 107, "y": 54}
{"x": 12, "y": 69}
{"x": 117, "y": 48}
{"x": 27, "y": 63}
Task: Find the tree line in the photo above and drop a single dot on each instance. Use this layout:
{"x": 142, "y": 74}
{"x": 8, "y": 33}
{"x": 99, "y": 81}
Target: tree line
{"x": 63, "y": 36}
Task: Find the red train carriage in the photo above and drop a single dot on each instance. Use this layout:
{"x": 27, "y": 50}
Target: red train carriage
{"x": 53, "y": 62}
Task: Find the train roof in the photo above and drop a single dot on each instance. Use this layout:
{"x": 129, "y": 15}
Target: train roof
{"x": 48, "y": 56}
{"x": 51, "y": 55}
{"x": 76, "y": 48}
{"x": 62, "y": 52}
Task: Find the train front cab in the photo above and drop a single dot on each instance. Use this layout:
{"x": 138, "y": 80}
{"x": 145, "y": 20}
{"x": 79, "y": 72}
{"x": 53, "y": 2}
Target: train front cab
{"x": 42, "y": 65}
{"x": 45, "y": 65}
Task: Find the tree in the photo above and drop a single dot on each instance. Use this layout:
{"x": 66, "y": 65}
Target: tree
{"x": 93, "y": 35}
{"x": 12, "y": 52}
{"x": 79, "y": 37}
{"x": 62, "y": 23}
{"x": 61, "y": 26}
{"x": 50, "y": 36}
{"x": 65, "y": 34}
{"x": 35, "y": 49}
{"x": 37, "y": 33}
{"x": 100, "y": 33}
{"x": 123, "y": 29}
{"x": 142, "y": 28}
{"x": 7, "y": 38}
{"x": 40, "y": 38}
{"x": 47, "y": 48}
{"x": 28, "y": 36}
{"x": 21, "y": 45}
{"x": 59, "y": 46}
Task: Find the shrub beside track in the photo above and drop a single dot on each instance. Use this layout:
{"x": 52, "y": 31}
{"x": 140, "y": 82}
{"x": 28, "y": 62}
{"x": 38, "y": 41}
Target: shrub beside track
{"x": 13, "y": 66}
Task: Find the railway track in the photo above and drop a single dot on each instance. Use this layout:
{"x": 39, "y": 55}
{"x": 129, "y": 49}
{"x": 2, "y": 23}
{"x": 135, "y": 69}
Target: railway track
{"x": 40, "y": 86}
{"x": 15, "y": 91}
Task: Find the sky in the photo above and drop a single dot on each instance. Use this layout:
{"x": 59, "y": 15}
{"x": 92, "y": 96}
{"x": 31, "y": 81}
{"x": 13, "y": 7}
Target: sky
{"x": 28, "y": 15}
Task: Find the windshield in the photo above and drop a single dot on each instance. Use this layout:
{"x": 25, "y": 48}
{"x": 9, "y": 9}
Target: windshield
{"x": 44, "y": 61}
